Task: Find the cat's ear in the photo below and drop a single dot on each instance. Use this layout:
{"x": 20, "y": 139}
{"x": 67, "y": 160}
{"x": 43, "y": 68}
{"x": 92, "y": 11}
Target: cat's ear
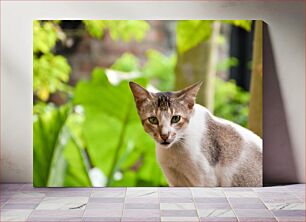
{"x": 189, "y": 94}
{"x": 140, "y": 94}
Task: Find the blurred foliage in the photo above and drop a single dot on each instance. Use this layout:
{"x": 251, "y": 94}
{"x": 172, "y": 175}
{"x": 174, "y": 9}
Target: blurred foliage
{"x": 190, "y": 33}
{"x": 245, "y": 24}
{"x": 158, "y": 68}
{"x": 44, "y": 36}
{"x": 124, "y": 30}
{"x": 50, "y": 75}
{"x": 51, "y": 72}
{"x": 227, "y": 63}
{"x": 231, "y": 102}
{"x": 53, "y": 138}
{"x": 126, "y": 63}
{"x": 96, "y": 138}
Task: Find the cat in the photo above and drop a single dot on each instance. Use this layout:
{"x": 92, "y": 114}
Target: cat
{"x": 194, "y": 147}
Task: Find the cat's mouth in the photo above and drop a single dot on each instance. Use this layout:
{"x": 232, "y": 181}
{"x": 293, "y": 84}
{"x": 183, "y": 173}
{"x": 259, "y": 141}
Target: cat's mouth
{"x": 165, "y": 143}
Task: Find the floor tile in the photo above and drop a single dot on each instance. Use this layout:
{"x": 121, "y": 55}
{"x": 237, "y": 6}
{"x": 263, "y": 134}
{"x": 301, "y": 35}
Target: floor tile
{"x": 10, "y": 186}
{"x": 207, "y": 192}
{"x": 142, "y": 192}
{"x": 178, "y": 213}
{"x": 218, "y": 219}
{"x": 256, "y": 219}
{"x": 26, "y": 194}
{"x": 236, "y": 205}
{"x": 15, "y": 214}
{"x": 176, "y": 200}
{"x": 106, "y": 193}
{"x": 106, "y": 200}
{"x": 240, "y": 194}
{"x": 296, "y": 187}
{"x": 55, "y": 219}
{"x": 20, "y": 206}
{"x": 85, "y": 193}
{"x": 225, "y": 205}
{"x": 140, "y": 219}
{"x": 177, "y": 206}
{"x": 25, "y": 200}
{"x": 291, "y": 219}
{"x": 101, "y": 219}
{"x": 91, "y": 205}
{"x": 259, "y": 213}
{"x": 245, "y": 200}
{"x": 178, "y": 219}
{"x": 103, "y": 213}
{"x": 56, "y": 213}
{"x": 238, "y": 189}
{"x": 216, "y": 213}
{"x": 141, "y": 206}
{"x": 177, "y": 192}
{"x": 142, "y": 200}
{"x": 210, "y": 200}
{"x": 285, "y": 206}
{"x": 141, "y": 213}
{"x": 62, "y": 203}
{"x": 289, "y": 213}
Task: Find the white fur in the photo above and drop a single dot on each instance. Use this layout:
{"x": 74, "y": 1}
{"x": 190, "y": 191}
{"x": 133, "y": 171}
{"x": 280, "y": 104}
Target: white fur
{"x": 190, "y": 164}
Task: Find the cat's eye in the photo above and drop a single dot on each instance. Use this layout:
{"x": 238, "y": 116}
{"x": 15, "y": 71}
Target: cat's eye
{"x": 175, "y": 119}
{"x": 153, "y": 120}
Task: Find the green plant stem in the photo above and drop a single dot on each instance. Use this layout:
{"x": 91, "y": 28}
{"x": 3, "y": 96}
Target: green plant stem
{"x": 86, "y": 164}
{"x": 55, "y": 153}
{"x": 120, "y": 143}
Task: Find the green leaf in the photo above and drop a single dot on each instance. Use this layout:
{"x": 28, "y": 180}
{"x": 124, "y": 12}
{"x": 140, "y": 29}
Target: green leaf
{"x": 227, "y": 63}
{"x": 58, "y": 159}
{"x": 125, "y": 30}
{"x": 48, "y": 143}
{"x": 44, "y": 36}
{"x": 112, "y": 129}
{"x": 190, "y": 33}
{"x": 245, "y": 24}
{"x": 78, "y": 166}
{"x": 160, "y": 70}
{"x": 126, "y": 63}
{"x": 231, "y": 102}
{"x": 95, "y": 27}
{"x": 50, "y": 73}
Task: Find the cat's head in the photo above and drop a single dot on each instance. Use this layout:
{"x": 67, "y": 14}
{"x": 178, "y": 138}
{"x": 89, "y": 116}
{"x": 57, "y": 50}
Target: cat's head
{"x": 165, "y": 115}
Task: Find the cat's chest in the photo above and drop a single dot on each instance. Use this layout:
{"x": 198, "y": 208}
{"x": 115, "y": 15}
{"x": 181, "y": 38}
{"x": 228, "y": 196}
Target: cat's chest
{"x": 179, "y": 158}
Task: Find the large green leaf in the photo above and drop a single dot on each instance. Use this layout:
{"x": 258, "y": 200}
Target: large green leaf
{"x": 190, "y": 33}
{"x": 245, "y": 24}
{"x": 112, "y": 130}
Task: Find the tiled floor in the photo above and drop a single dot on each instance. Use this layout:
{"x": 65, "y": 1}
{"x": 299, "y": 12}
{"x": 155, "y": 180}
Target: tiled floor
{"x": 22, "y": 202}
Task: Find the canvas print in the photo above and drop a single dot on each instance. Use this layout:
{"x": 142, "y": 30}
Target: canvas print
{"x": 147, "y": 103}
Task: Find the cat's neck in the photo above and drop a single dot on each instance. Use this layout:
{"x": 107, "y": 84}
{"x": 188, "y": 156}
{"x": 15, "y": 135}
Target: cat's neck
{"x": 193, "y": 134}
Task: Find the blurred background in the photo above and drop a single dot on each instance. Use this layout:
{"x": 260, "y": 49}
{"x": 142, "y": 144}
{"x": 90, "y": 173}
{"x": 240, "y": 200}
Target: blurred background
{"x": 85, "y": 126}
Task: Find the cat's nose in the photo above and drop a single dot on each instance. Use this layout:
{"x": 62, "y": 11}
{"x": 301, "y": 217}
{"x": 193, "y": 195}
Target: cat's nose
{"x": 164, "y": 136}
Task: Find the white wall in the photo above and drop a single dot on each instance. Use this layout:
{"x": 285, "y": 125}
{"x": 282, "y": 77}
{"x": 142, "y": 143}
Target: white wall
{"x": 285, "y": 20}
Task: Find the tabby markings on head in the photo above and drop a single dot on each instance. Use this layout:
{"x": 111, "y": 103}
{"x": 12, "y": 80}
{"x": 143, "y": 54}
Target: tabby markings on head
{"x": 163, "y": 101}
